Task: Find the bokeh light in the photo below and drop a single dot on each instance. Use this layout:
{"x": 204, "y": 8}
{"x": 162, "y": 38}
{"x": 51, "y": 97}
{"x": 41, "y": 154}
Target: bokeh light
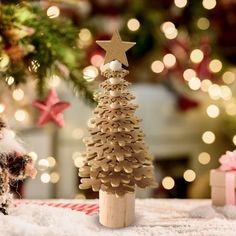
{"x": 189, "y": 175}
{"x": 133, "y": 24}
{"x": 194, "y": 83}
{"x": 168, "y": 183}
{"x": 20, "y": 115}
{"x": 204, "y": 158}
{"x": 45, "y": 178}
{"x": 54, "y": 177}
{"x": 203, "y": 23}
{"x": 169, "y": 60}
{"x": 213, "y": 111}
{"x": 90, "y": 73}
{"x": 157, "y": 66}
{"x": 205, "y": 85}
{"x": 208, "y": 137}
{"x": 228, "y": 77}
{"x": 2, "y": 108}
{"x": 97, "y": 60}
{"x": 196, "y": 56}
{"x": 33, "y": 155}
{"x": 209, "y": 4}
{"x": 180, "y": 3}
{"x": 53, "y": 12}
{"x": 188, "y": 74}
{"x": 215, "y": 65}
{"x": 18, "y": 94}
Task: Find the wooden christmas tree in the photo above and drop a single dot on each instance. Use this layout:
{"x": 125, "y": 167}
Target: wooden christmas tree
{"x": 117, "y": 158}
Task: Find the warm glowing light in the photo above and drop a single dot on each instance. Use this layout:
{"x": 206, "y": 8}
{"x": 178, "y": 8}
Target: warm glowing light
{"x": 167, "y": 27}
{"x": 226, "y": 93}
{"x": 194, "y": 83}
{"x": 54, "y": 177}
{"x": 196, "y": 56}
{"x": 180, "y": 3}
{"x": 208, "y": 137}
{"x": 228, "y": 77}
{"x": 188, "y": 74}
{"x": 90, "y": 73}
{"x": 204, "y": 158}
{"x": 2, "y": 108}
{"x": 45, "y": 178}
{"x": 20, "y": 115}
{"x": 171, "y": 35}
{"x": 76, "y": 155}
{"x": 33, "y": 155}
{"x": 213, "y": 111}
{"x": 51, "y": 161}
{"x": 230, "y": 109}
{"x": 169, "y": 60}
{"x": 133, "y": 24}
{"x": 203, "y": 23}
{"x": 43, "y": 163}
{"x": 209, "y": 4}
{"x": 78, "y": 162}
{"x": 214, "y": 91}
{"x": 168, "y": 183}
{"x": 54, "y": 81}
{"x": 189, "y": 175}
{"x": 157, "y": 66}
{"x": 77, "y": 133}
{"x": 215, "y": 65}
{"x": 13, "y": 134}
{"x": 234, "y": 139}
{"x": 53, "y": 12}
{"x": 97, "y": 60}
{"x": 205, "y": 85}
{"x": 10, "y": 80}
{"x": 18, "y": 94}
{"x": 85, "y": 35}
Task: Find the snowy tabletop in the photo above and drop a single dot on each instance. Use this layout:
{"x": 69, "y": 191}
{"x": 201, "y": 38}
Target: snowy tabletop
{"x": 153, "y": 217}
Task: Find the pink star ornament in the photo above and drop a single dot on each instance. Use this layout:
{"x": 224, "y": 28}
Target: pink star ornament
{"x": 51, "y": 109}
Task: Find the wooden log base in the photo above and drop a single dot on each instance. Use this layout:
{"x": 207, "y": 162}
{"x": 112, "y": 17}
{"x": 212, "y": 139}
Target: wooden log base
{"x": 116, "y": 212}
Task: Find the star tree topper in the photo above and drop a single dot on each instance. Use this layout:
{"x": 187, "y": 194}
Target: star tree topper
{"x": 51, "y": 109}
{"x": 116, "y": 49}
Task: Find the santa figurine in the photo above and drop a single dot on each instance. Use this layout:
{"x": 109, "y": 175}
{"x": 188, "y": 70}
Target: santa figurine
{"x": 15, "y": 165}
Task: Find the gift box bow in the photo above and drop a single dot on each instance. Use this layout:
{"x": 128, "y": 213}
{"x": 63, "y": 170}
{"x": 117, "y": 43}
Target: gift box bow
{"x": 228, "y": 161}
{"x": 228, "y": 164}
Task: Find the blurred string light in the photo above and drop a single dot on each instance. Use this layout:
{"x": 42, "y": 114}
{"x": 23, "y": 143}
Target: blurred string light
{"x": 180, "y": 3}
{"x": 189, "y": 74}
{"x": 194, "y": 83}
{"x": 85, "y": 38}
{"x": 34, "y": 65}
{"x": 168, "y": 183}
{"x": 228, "y": 77}
{"x": 97, "y": 60}
{"x": 189, "y": 175}
{"x": 203, "y": 23}
{"x": 196, "y": 56}
{"x": 51, "y": 162}
{"x": 226, "y": 93}
{"x": 133, "y": 24}
{"x": 213, "y": 111}
{"x": 54, "y": 177}
{"x": 209, "y": 4}
{"x": 45, "y": 178}
{"x": 20, "y": 115}
{"x": 90, "y": 73}
{"x": 53, "y": 12}
{"x": 169, "y": 60}
{"x": 208, "y": 137}
{"x": 2, "y": 108}
{"x": 157, "y": 66}
{"x": 33, "y": 155}
{"x": 214, "y": 92}
{"x": 10, "y": 80}
{"x": 205, "y": 85}
{"x": 230, "y": 108}
{"x": 43, "y": 164}
{"x": 18, "y": 94}
{"x": 77, "y": 133}
{"x": 204, "y": 158}
{"x": 169, "y": 30}
{"x": 54, "y": 81}
{"x": 215, "y": 65}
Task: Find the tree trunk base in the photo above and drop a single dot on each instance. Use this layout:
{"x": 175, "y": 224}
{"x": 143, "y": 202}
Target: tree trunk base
{"x": 116, "y": 212}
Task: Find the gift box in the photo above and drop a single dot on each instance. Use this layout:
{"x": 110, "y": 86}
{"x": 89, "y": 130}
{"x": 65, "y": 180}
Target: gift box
{"x": 223, "y": 187}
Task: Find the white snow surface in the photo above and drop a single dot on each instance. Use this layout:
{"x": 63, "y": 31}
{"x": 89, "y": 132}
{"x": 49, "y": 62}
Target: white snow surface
{"x": 153, "y": 218}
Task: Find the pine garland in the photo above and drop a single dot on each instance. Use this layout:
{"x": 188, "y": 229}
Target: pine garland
{"x": 33, "y": 44}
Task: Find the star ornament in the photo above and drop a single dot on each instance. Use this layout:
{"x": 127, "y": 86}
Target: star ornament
{"x": 116, "y": 49}
{"x": 51, "y": 110}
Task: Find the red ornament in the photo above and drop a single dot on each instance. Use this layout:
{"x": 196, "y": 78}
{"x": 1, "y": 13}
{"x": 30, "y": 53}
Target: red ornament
{"x": 51, "y": 109}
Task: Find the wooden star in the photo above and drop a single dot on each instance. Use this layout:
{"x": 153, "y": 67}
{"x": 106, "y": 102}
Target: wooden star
{"x": 115, "y": 49}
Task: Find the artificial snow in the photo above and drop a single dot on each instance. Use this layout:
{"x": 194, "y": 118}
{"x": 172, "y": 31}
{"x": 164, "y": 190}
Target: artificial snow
{"x": 154, "y": 217}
